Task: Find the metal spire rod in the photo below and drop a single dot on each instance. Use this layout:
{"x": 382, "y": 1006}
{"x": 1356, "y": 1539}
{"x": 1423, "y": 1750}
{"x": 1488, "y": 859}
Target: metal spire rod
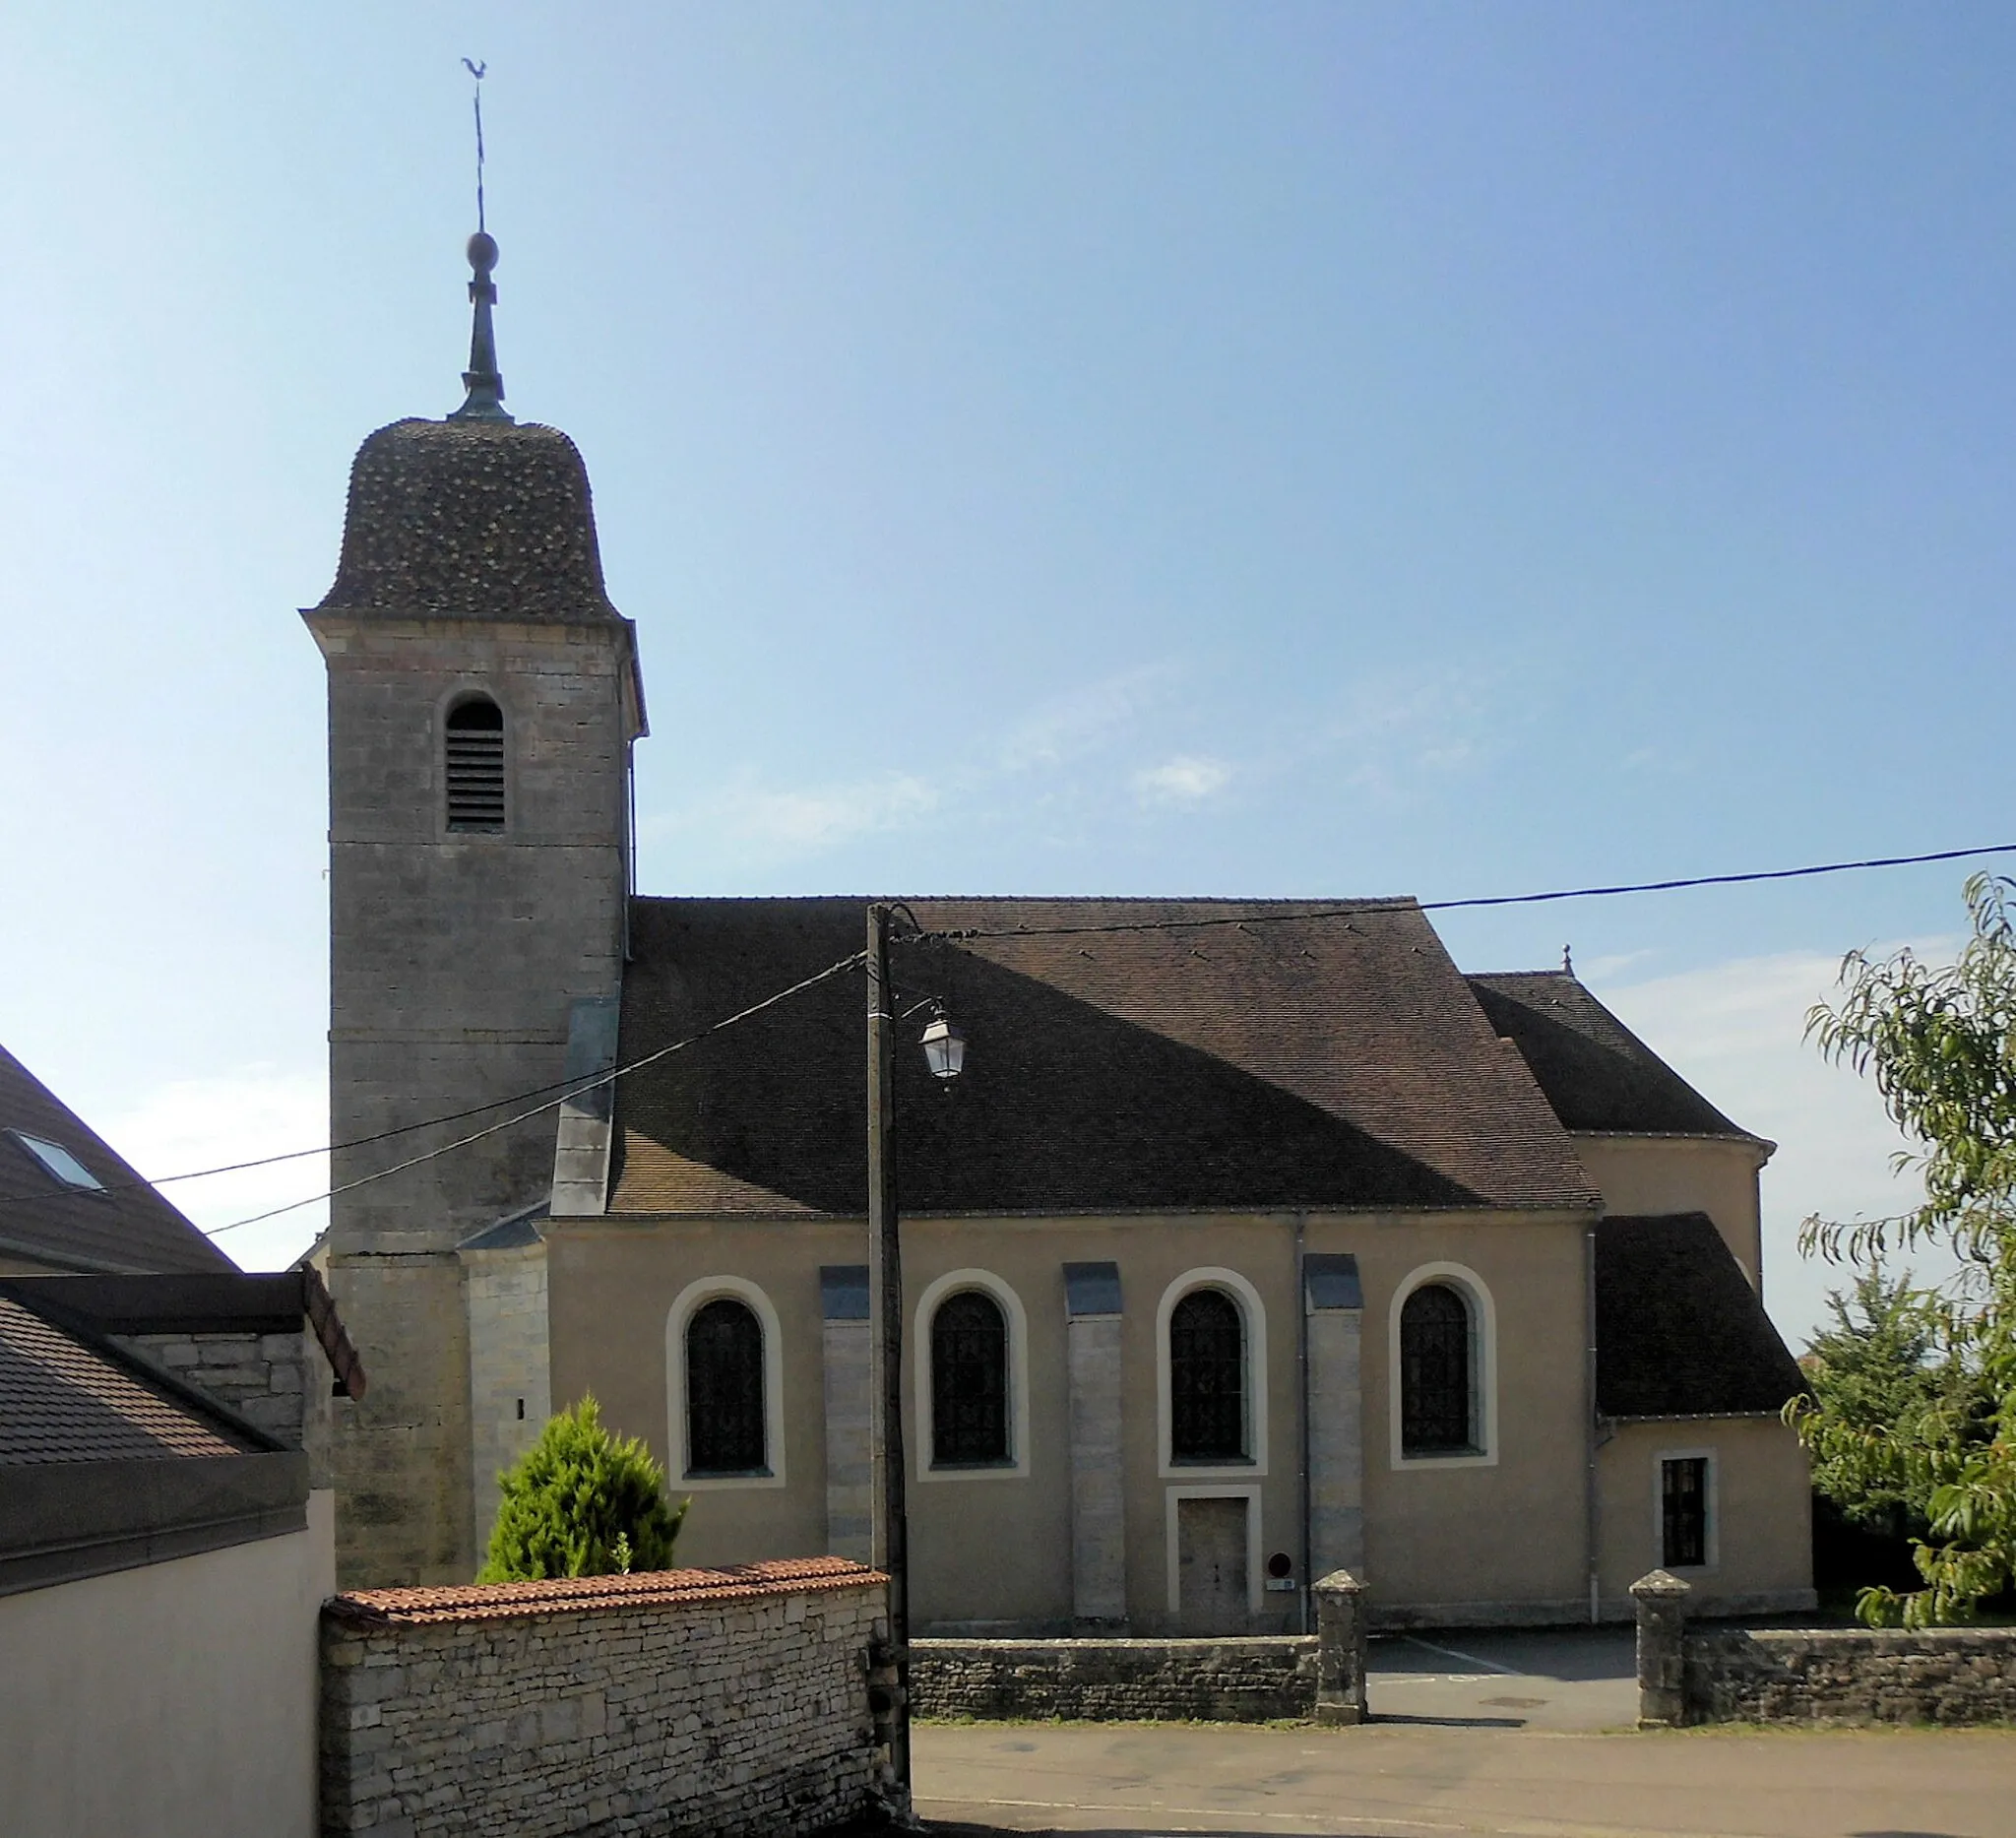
{"x": 482, "y": 379}
{"x": 478, "y": 72}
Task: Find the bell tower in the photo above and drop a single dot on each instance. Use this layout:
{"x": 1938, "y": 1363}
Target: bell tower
{"x": 483, "y": 696}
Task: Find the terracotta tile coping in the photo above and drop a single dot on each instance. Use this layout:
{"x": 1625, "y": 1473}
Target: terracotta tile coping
{"x": 473, "y": 1602}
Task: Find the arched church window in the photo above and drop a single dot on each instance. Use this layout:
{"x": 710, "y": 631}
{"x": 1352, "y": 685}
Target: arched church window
{"x": 969, "y": 1382}
{"x": 1436, "y": 1388}
{"x": 725, "y": 1389}
{"x": 475, "y": 757}
{"x": 1207, "y": 1379}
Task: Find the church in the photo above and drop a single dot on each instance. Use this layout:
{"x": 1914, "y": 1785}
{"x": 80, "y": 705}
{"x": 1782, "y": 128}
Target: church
{"x": 1253, "y": 1238}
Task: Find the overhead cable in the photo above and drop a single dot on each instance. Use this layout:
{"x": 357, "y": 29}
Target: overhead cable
{"x": 1359, "y": 910}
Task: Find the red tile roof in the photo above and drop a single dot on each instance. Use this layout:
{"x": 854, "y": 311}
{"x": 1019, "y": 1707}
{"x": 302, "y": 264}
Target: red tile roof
{"x": 588, "y": 1594}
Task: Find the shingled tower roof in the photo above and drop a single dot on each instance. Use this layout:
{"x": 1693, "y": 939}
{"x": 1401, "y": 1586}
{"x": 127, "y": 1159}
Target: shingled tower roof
{"x": 469, "y": 520}
{"x": 475, "y": 516}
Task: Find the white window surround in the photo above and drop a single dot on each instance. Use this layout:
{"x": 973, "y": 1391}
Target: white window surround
{"x": 1710, "y": 1543}
{"x": 692, "y": 1299}
{"x": 953, "y": 1283}
{"x": 1483, "y": 1366}
{"x": 1251, "y": 1495}
{"x": 1253, "y": 1316}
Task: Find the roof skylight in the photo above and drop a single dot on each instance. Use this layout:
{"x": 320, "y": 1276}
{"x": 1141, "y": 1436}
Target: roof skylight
{"x": 59, "y": 1161}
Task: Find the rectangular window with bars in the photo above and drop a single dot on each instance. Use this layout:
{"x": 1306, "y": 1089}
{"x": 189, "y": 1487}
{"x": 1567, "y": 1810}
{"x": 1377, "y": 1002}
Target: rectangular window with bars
{"x": 1683, "y": 1512}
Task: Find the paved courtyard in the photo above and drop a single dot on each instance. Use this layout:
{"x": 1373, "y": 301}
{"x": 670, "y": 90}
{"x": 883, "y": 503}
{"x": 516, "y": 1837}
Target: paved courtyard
{"x": 1514, "y": 1734}
{"x": 1551, "y": 1680}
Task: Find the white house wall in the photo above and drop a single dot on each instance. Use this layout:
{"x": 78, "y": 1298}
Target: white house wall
{"x": 176, "y": 1699}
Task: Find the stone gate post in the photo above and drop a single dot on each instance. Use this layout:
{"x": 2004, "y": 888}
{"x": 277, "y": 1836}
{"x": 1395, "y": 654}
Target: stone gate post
{"x": 1339, "y": 1648}
{"x": 1662, "y": 1600}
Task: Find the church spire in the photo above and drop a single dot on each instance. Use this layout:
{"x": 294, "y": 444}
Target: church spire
{"x": 486, "y": 386}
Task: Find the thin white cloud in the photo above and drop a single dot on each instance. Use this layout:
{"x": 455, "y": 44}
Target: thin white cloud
{"x": 756, "y": 819}
{"x": 1399, "y": 726}
{"x": 1608, "y": 969}
{"x": 1736, "y": 1031}
{"x": 238, "y": 1116}
{"x": 1084, "y": 718}
{"x": 1188, "y": 779}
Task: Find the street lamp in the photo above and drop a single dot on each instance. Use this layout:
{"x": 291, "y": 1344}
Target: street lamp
{"x": 945, "y": 1051}
{"x": 944, "y": 1045}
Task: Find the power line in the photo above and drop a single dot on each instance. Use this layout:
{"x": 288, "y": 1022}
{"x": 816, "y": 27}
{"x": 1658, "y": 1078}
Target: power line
{"x": 1365, "y": 910}
{"x": 565, "y": 1087}
{"x": 605, "y": 1078}
{"x": 570, "y": 1088}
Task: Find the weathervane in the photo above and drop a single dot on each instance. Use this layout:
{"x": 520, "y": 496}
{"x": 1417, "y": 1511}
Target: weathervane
{"x": 482, "y": 380}
{"x": 478, "y": 72}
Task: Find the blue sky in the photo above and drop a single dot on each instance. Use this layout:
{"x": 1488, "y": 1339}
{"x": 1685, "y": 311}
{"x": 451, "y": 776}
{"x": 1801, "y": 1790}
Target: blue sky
{"x": 1137, "y": 448}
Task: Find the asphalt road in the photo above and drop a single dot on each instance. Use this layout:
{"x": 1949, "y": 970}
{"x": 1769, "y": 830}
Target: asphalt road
{"x": 1513, "y": 1734}
{"x": 1423, "y": 1781}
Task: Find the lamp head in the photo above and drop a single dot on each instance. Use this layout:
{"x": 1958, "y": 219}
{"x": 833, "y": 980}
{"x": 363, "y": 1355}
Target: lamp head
{"x": 944, "y": 1044}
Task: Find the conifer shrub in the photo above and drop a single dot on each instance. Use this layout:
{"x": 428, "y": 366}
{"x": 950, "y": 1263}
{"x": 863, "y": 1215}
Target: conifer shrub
{"x": 582, "y": 1501}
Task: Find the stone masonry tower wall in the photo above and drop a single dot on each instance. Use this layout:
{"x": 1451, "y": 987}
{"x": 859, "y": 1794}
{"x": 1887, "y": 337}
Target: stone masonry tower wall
{"x": 459, "y": 939}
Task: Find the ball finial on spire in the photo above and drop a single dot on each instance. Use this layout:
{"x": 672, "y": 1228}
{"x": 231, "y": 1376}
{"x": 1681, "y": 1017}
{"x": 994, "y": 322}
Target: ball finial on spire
{"x": 482, "y": 380}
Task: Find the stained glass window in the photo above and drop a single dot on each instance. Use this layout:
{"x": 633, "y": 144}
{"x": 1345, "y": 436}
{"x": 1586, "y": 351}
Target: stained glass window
{"x": 725, "y": 1390}
{"x": 1207, "y": 1379}
{"x": 1435, "y": 1388}
{"x": 969, "y": 1382}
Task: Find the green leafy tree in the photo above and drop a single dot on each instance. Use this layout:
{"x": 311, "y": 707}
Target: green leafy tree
{"x": 1882, "y": 1377}
{"x": 581, "y": 1503}
{"x": 1941, "y": 1042}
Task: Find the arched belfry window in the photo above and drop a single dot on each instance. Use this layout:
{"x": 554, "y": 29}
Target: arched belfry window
{"x": 1207, "y": 1379}
{"x": 1437, "y": 1386}
{"x": 474, "y": 760}
{"x": 724, "y": 1404}
{"x": 969, "y": 1382}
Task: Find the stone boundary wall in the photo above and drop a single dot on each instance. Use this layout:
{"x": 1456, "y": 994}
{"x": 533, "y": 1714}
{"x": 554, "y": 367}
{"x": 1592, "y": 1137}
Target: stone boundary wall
{"x": 1248, "y": 1680}
{"x": 1834, "y": 1675}
{"x": 1815, "y": 1675}
{"x": 718, "y": 1701}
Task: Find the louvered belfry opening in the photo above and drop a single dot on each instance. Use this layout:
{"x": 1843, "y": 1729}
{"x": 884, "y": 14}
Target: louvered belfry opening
{"x": 476, "y": 765}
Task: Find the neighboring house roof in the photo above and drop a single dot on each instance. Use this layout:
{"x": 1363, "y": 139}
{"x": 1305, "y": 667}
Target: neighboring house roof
{"x": 1596, "y": 1072}
{"x": 65, "y": 1399}
{"x": 1272, "y": 1059}
{"x": 1679, "y": 1332}
{"x": 110, "y": 1463}
{"x": 121, "y": 1225}
{"x": 229, "y": 1301}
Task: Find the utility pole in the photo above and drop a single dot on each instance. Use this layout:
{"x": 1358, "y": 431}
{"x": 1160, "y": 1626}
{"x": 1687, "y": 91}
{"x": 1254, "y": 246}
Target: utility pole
{"x": 890, "y": 1544}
